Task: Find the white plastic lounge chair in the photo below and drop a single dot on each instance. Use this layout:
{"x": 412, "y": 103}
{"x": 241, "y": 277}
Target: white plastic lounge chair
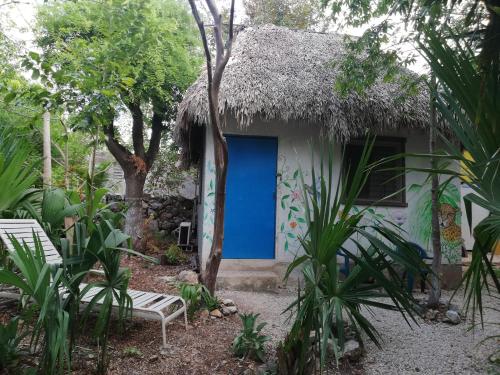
{"x": 144, "y": 304}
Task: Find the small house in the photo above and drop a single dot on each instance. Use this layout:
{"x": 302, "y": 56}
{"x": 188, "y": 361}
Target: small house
{"x": 277, "y": 101}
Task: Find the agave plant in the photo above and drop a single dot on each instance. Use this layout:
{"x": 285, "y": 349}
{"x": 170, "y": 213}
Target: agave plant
{"x": 327, "y": 299}
{"x": 468, "y": 100}
{"x": 39, "y": 283}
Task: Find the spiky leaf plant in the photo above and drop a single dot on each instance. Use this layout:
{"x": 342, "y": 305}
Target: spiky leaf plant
{"x": 327, "y": 301}
{"x": 250, "y": 343}
{"x": 468, "y": 99}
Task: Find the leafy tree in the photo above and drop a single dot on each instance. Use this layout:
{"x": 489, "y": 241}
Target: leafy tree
{"x": 106, "y": 59}
{"x": 295, "y": 14}
{"x": 165, "y": 174}
{"x": 396, "y": 26}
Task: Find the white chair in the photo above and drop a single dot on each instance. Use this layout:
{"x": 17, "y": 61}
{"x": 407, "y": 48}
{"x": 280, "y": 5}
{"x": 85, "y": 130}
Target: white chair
{"x": 146, "y": 305}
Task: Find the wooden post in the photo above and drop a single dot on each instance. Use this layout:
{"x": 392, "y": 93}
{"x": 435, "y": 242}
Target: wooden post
{"x": 435, "y": 290}
{"x": 47, "y": 156}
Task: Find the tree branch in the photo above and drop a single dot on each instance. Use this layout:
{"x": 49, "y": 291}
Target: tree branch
{"x": 120, "y": 153}
{"x": 137, "y": 129}
{"x": 201, "y": 27}
{"x": 154, "y": 141}
{"x": 217, "y": 78}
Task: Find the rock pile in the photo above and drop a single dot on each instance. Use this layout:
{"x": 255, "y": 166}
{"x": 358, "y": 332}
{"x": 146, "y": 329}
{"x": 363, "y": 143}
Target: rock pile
{"x": 164, "y": 213}
{"x": 227, "y": 307}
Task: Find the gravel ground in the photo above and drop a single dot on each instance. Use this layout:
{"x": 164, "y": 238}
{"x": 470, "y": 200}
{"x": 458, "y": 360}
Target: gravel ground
{"x": 429, "y": 348}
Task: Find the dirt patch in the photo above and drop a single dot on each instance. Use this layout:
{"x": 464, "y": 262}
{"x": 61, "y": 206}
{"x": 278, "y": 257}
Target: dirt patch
{"x": 146, "y": 275}
{"x": 205, "y": 348}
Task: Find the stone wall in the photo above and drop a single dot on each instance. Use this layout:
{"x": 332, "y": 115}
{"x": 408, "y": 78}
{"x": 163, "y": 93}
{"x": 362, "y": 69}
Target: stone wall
{"x": 164, "y": 213}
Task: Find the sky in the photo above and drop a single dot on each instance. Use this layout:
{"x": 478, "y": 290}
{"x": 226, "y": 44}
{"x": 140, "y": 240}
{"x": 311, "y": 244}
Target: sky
{"x": 22, "y": 13}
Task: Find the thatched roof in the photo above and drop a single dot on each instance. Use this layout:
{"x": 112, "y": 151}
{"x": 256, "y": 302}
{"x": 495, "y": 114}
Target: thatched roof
{"x": 278, "y": 73}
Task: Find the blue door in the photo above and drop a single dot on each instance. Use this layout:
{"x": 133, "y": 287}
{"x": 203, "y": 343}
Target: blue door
{"x": 249, "y": 225}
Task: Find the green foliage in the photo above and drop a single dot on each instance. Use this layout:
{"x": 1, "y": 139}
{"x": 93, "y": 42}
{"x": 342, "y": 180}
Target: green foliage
{"x": 191, "y": 293}
{"x": 250, "y": 343}
{"x": 196, "y": 296}
{"x": 294, "y": 14}
{"x": 132, "y": 351}
{"x": 98, "y": 241}
{"x": 165, "y": 175}
{"x": 392, "y": 29}
{"x": 468, "y": 100}
{"x": 175, "y": 255}
{"x": 99, "y": 67}
{"x": 10, "y": 338}
{"x": 211, "y": 302}
{"x": 39, "y": 283}
{"x": 328, "y": 300}
{"x": 17, "y": 174}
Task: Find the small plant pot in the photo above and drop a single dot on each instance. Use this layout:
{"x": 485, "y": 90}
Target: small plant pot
{"x": 163, "y": 260}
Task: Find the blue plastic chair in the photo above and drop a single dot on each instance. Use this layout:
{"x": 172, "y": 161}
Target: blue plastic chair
{"x": 423, "y": 272}
{"x": 345, "y": 267}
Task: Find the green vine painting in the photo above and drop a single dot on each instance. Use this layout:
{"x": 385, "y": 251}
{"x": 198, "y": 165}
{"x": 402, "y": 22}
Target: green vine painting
{"x": 292, "y": 223}
{"x": 449, "y": 218}
{"x": 209, "y": 205}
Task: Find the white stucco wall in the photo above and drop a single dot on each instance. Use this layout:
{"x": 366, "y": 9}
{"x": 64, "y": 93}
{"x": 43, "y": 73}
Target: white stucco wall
{"x": 294, "y": 152}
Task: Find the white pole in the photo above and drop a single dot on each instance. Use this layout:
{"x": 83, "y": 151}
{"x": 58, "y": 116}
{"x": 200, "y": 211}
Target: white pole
{"x": 47, "y": 157}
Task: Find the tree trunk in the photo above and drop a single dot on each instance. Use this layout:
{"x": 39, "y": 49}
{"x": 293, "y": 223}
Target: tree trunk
{"x": 135, "y": 167}
{"x": 134, "y": 222}
{"x": 47, "y": 155}
{"x": 435, "y": 290}
{"x": 214, "y": 75}
{"x": 220, "y": 152}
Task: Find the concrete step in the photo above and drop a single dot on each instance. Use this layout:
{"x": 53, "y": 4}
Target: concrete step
{"x": 247, "y": 280}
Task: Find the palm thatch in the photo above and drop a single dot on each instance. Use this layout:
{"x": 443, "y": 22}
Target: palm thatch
{"x": 278, "y": 73}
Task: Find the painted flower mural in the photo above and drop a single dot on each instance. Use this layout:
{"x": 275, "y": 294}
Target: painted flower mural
{"x": 292, "y": 222}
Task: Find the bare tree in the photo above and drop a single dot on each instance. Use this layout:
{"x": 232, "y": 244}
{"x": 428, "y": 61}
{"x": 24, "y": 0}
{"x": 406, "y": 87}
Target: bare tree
{"x": 214, "y": 73}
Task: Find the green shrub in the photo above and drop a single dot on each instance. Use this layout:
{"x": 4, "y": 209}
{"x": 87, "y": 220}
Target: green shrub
{"x": 196, "y": 296}
{"x": 250, "y": 343}
{"x": 10, "y": 338}
{"x": 175, "y": 255}
{"x": 211, "y": 302}
{"x": 132, "y": 351}
{"x": 191, "y": 293}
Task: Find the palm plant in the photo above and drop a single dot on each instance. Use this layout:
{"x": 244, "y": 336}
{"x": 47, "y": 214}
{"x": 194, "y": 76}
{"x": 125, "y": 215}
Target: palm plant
{"x": 39, "y": 283}
{"x": 468, "y": 100}
{"x": 17, "y": 173}
{"x": 11, "y": 335}
{"x": 104, "y": 245}
{"x": 327, "y": 300}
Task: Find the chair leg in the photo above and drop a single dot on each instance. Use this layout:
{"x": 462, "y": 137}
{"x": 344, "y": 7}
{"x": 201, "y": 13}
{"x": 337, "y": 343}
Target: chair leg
{"x": 410, "y": 282}
{"x": 164, "y": 333}
{"x": 185, "y": 314}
